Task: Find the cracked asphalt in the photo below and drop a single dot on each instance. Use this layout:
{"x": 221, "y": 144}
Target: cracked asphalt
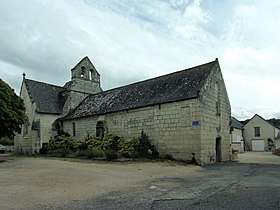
{"x": 251, "y": 182}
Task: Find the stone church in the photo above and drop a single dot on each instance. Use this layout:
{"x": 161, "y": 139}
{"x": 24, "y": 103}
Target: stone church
{"x": 186, "y": 112}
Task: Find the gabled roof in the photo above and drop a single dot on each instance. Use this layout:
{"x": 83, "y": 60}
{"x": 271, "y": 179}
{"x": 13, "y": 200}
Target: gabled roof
{"x": 235, "y": 123}
{"x": 256, "y": 115}
{"x": 46, "y": 96}
{"x": 85, "y": 60}
{"x": 181, "y": 85}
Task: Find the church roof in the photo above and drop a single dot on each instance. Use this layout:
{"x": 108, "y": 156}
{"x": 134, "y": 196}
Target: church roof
{"x": 177, "y": 86}
{"x": 46, "y": 96}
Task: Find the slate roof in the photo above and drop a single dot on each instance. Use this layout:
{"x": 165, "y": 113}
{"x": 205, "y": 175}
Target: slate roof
{"x": 181, "y": 85}
{"x": 46, "y": 96}
{"x": 236, "y": 124}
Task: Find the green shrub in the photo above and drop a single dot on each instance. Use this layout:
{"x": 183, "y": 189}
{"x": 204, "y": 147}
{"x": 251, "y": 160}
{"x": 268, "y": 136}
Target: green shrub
{"x": 80, "y": 153}
{"x": 110, "y": 147}
{"x": 129, "y": 147}
{"x": 64, "y": 142}
{"x": 94, "y": 153}
{"x": 111, "y": 154}
{"x": 110, "y": 142}
{"x": 146, "y": 148}
{"x": 169, "y": 157}
{"x": 83, "y": 145}
{"x": 95, "y": 143}
{"x": 6, "y": 141}
{"x": 59, "y": 153}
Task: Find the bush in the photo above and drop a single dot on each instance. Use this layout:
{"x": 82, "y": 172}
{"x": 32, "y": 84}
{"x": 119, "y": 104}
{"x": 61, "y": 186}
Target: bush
{"x": 59, "y": 153}
{"x": 111, "y": 154}
{"x": 129, "y": 148}
{"x": 94, "y": 153}
{"x": 64, "y": 142}
{"x": 95, "y": 143}
{"x": 169, "y": 157}
{"x": 146, "y": 149}
{"x": 6, "y": 141}
{"x": 110, "y": 147}
{"x": 80, "y": 153}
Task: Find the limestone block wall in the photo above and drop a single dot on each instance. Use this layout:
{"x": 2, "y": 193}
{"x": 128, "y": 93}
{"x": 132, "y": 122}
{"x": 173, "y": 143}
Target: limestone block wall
{"x": 216, "y": 111}
{"x": 85, "y": 86}
{"x": 23, "y": 141}
{"x": 236, "y": 135}
{"x": 30, "y": 141}
{"x": 47, "y": 130}
{"x": 73, "y": 99}
{"x": 169, "y": 125}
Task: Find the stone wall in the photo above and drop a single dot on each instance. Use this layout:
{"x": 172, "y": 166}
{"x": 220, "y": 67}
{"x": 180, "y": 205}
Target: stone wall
{"x": 215, "y": 118}
{"x": 169, "y": 125}
{"x": 23, "y": 141}
{"x": 31, "y": 139}
{"x": 178, "y": 128}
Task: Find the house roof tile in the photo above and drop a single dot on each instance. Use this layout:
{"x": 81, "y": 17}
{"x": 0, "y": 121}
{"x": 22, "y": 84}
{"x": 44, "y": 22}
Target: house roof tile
{"x": 181, "y": 85}
{"x": 46, "y": 96}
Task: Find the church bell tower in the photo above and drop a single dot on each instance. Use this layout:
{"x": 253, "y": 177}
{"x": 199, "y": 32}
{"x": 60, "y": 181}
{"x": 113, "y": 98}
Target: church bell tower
{"x": 85, "y": 80}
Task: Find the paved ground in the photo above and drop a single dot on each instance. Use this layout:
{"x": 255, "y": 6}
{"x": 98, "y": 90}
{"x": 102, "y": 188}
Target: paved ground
{"x": 252, "y": 182}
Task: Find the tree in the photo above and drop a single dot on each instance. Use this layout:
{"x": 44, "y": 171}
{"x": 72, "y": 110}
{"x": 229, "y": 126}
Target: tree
{"x": 12, "y": 111}
{"x": 275, "y": 122}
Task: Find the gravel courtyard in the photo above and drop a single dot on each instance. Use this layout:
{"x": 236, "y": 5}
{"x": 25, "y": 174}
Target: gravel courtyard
{"x": 32, "y": 183}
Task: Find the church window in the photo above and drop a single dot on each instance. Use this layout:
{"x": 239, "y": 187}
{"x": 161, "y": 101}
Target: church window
{"x": 25, "y": 127}
{"x": 74, "y": 129}
{"x": 90, "y": 74}
{"x": 100, "y": 129}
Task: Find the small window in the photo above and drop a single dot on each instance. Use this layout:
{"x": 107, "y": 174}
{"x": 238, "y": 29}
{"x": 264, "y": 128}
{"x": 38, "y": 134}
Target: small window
{"x": 25, "y": 127}
{"x": 74, "y": 129}
{"x": 257, "y": 131}
{"x": 218, "y": 112}
{"x": 90, "y": 74}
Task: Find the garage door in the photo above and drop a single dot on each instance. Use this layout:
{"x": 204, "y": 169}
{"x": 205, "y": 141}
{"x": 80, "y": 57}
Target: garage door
{"x": 258, "y": 145}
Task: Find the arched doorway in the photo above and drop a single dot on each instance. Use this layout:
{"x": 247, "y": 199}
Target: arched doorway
{"x": 218, "y": 149}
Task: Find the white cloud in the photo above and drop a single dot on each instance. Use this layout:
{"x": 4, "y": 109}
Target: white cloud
{"x": 132, "y": 40}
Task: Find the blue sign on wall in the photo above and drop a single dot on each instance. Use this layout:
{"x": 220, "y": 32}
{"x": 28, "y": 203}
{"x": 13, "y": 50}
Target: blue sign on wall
{"x": 195, "y": 123}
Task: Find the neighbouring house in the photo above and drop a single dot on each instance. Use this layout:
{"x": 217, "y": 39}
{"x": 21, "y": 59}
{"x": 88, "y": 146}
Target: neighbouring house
{"x": 258, "y": 132}
{"x": 184, "y": 112}
{"x": 237, "y": 142}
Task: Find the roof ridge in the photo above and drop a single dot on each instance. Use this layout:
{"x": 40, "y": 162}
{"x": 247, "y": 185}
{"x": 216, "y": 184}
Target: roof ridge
{"x": 176, "y": 86}
{"x": 264, "y": 120}
{"x": 44, "y": 83}
{"x": 155, "y": 78}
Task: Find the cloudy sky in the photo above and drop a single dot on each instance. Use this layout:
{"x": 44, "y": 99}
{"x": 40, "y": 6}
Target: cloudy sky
{"x": 132, "y": 40}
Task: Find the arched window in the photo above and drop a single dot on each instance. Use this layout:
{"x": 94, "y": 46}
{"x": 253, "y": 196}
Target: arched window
{"x": 25, "y": 127}
{"x": 100, "y": 129}
{"x": 83, "y": 69}
{"x": 90, "y": 74}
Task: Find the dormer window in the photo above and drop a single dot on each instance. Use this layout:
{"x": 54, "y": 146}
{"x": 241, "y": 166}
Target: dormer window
{"x": 83, "y": 69}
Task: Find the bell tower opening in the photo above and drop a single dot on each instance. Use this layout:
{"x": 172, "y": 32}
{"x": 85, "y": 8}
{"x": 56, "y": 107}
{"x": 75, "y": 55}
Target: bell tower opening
{"x": 83, "y": 72}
